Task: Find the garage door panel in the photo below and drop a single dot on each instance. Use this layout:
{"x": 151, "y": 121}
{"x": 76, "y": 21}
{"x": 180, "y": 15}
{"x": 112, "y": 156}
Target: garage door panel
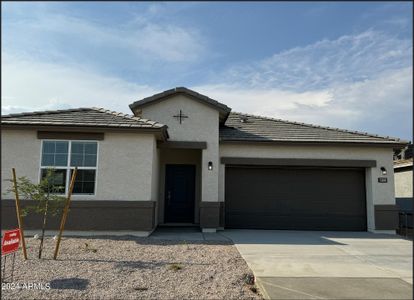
{"x": 295, "y": 198}
{"x": 305, "y": 222}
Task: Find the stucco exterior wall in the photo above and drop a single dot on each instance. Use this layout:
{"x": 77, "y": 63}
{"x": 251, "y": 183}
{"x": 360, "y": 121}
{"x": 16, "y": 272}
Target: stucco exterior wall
{"x": 202, "y": 124}
{"x": 125, "y": 164}
{"x": 404, "y": 184}
{"x": 125, "y": 167}
{"x": 376, "y": 193}
{"x": 20, "y": 149}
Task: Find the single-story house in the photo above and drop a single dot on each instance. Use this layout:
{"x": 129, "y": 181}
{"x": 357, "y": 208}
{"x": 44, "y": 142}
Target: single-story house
{"x": 186, "y": 159}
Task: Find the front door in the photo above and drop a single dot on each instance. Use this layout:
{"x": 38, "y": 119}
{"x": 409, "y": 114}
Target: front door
{"x": 179, "y": 193}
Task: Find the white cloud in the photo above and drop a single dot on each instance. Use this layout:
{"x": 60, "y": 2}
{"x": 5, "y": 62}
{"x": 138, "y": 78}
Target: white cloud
{"x": 264, "y": 101}
{"x": 361, "y": 82}
{"x": 401, "y": 22}
{"x": 144, "y": 41}
{"x": 32, "y": 85}
{"x": 171, "y": 43}
{"x": 348, "y": 59}
{"x": 381, "y": 105}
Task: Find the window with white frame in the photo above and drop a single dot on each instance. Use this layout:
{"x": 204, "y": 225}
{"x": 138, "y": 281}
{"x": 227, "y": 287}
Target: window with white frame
{"x": 64, "y": 156}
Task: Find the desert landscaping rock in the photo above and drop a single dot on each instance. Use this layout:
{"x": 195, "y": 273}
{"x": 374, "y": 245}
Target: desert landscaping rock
{"x": 132, "y": 268}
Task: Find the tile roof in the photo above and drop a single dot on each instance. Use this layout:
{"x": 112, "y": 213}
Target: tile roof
{"x": 251, "y": 128}
{"x": 401, "y": 163}
{"x": 80, "y": 117}
{"x": 238, "y": 126}
{"x": 223, "y": 109}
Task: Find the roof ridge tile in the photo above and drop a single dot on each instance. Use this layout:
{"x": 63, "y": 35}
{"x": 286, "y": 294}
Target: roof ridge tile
{"x": 127, "y": 116}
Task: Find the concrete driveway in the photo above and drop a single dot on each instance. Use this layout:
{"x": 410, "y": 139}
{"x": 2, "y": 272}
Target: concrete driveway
{"x": 327, "y": 265}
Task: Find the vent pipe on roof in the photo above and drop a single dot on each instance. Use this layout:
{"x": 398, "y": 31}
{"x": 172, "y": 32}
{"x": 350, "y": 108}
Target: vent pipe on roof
{"x": 243, "y": 119}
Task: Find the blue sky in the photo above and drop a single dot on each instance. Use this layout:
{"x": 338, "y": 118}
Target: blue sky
{"x": 346, "y": 65}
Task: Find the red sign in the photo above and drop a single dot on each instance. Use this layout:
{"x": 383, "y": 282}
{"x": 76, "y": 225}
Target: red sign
{"x": 11, "y": 241}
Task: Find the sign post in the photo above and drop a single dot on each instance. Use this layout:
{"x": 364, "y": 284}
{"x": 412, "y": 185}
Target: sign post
{"x": 19, "y": 217}
{"x": 65, "y": 212}
{"x": 10, "y": 244}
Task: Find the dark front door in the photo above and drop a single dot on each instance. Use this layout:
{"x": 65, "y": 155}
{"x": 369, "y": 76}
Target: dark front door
{"x": 179, "y": 193}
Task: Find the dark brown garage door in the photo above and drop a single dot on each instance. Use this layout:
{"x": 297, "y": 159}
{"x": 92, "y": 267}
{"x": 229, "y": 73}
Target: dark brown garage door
{"x": 295, "y": 198}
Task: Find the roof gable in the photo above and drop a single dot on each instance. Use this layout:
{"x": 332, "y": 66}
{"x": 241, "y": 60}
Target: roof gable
{"x": 250, "y": 128}
{"x": 223, "y": 109}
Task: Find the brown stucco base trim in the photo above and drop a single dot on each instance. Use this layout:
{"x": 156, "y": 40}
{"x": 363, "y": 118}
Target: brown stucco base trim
{"x": 210, "y": 214}
{"x": 386, "y": 217}
{"x": 182, "y": 145}
{"x": 221, "y": 222}
{"x": 161, "y": 133}
{"x": 394, "y": 145}
{"x": 298, "y": 162}
{"x": 99, "y": 136}
{"x": 88, "y": 215}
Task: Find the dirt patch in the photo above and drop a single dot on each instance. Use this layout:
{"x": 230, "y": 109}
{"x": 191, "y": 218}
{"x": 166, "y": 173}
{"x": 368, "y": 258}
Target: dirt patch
{"x": 131, "y": 268}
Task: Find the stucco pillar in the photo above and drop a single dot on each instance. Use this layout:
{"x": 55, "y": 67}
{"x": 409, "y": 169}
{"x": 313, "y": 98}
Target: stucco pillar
{"x": 382, "y": 213}
{"x": 369, "y": 185}
{"x": 222, "y": 182}
{"x": 209, "y": 206}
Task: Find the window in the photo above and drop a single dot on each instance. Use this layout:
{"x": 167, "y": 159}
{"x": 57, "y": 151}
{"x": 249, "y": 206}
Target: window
{"x": 64, "y": 156}
{"x": 55, "y": 154}
{"x": 59, "y": 180}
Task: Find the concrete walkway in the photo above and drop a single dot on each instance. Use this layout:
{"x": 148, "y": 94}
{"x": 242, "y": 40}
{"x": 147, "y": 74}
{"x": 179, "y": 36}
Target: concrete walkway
{"x": 327, "y": 265}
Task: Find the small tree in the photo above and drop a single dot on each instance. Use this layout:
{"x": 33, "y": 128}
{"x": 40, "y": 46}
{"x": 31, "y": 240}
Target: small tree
{"x": 46, "y": 197}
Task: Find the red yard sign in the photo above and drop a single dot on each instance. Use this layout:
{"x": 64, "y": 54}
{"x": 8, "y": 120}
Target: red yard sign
{"x": 11, "y": 241}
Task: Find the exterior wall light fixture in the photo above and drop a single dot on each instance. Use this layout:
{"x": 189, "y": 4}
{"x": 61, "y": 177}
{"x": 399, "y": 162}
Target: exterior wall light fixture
{"x": 383, "y": 171}
{"x": 210, "y": 165}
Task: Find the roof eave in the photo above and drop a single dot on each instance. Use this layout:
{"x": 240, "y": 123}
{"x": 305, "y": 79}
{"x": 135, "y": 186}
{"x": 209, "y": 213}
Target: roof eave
{"x": 162, "y": 130}
{"x": 407, "y": 165}
{"x": 394, "y": 145}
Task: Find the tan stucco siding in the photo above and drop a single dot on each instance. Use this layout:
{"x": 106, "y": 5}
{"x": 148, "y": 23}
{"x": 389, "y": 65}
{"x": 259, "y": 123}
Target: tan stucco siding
{"x": 124, "y": 169}
{"x": 404, "y": 184}
{"x": 376, "y": 193}
{"x": 20, "y": 149}
{"x": 202, "y": 124}
{"x": 201, "y": 120}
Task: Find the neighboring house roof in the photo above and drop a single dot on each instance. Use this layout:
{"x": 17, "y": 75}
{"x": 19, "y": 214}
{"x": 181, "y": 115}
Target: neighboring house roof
{"x": 403, "y": 163}
{"x": 81, "y": 117}
{"x": 249, "y": 128}
{"x": 405, "y": 153}
{"x": 223, "y": 109}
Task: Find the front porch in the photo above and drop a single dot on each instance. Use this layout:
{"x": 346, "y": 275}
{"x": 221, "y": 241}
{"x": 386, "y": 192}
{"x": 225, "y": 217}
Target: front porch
{"x": 180, "y": 188}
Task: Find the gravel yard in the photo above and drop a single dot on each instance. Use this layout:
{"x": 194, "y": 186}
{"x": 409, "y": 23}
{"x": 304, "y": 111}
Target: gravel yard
{"x": 131, "y": 268}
